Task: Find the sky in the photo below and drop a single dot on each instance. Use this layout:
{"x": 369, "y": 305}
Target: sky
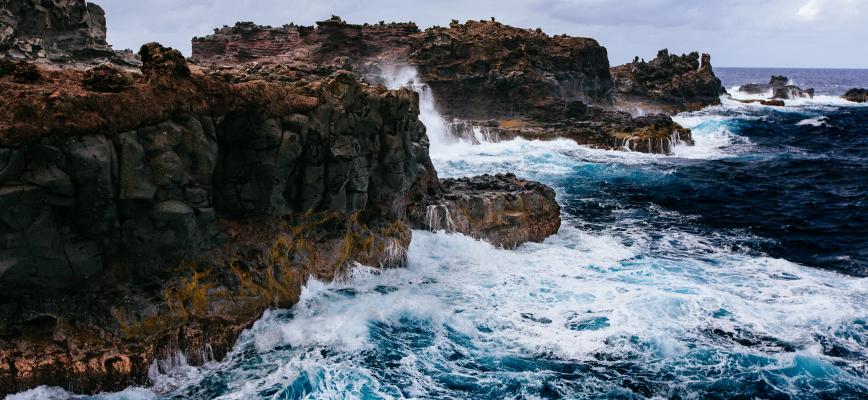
{"x": 737, "y": 33}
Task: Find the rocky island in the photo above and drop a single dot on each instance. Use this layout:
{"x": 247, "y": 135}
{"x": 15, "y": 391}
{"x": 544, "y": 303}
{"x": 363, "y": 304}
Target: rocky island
{"x": 151, "y": 205}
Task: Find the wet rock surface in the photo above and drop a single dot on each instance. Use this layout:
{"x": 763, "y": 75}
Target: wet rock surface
{"x": 502, "y": 209}
{"x": 857, "y": 95}
{"x": 779, "y": 88}
{"x": 669, "y": 83}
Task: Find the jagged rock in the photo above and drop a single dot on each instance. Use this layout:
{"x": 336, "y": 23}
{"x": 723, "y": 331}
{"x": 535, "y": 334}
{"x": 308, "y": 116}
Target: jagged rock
{"x": 501, "y": 209}
{"x": 106, "y": 78}
{"x": 484, "y": 69}
{"x": 61, "y": 30}
{"x": 169, "y": 217}
{"x": 162, "y": 63}
{"x": 779, "y": 88}
{"x": 856, "y": 95}
{"x": 668, "y": 83}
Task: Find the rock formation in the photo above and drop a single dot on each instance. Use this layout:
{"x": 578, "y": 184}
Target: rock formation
{"x": 502, "y": 209}
{"x": 856, "y": 95}
{"x": 61, "y": 30}
{"x": 779, "y": 88}
{"x": 668, "y": 83}
{"x": 478, "y": 71}
{"x": 155, "y": 211}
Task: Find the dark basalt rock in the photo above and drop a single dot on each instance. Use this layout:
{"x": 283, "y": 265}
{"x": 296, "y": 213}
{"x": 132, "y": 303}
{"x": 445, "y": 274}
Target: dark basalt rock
{"x": 167, "y": 218}
{"x": 501, "y": 209}
{"x": 669, "y": 83}
{"x": 779, "y": 87}
{"x": 61, "y": 30}
{"x": 856, "y": 95}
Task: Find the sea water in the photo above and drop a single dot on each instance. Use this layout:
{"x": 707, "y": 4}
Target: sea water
{"x": 730, "y": 269}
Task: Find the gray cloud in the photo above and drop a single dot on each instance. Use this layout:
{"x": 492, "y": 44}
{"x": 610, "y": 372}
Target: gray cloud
{"x": 792, "y": 33}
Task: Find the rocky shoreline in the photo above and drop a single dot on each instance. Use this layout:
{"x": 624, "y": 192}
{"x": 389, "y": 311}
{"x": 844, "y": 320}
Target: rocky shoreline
{"x": 151, "y": 206}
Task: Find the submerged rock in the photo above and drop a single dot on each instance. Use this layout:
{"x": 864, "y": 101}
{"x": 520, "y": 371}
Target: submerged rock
{"x": 856, "y": 95}
{"x": 502, "y": 209}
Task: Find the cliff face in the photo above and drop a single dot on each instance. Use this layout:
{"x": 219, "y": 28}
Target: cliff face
{"x": 479, "y": 71}
{"x": 668, "y": 83}
{"x": 146, "y": 214}
{"x": 168, "y": 216}
{"x": 501, "y": 71}
{"x": 58, "y": 29}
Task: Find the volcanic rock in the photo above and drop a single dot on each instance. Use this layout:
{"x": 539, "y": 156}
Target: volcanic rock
{"x": 502, "y": 209}
{"x": 60, "y": 30}
{"x": 106, "y": 78}
{"x": 779, "y": 88}
{"x": 668, "y": 83}
{"x": 856, "y": 95}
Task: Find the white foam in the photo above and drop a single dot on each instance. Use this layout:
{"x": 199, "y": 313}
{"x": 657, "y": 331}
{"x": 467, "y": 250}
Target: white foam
{"x": 816, "y": 121}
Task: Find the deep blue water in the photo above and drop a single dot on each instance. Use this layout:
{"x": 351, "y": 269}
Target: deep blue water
{"x": 708, "y": 274}
{"x": 834, "y": 82}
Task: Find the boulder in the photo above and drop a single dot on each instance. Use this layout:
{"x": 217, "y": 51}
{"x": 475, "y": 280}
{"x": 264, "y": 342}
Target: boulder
{"x": 501, "y": 209}
{"x": 856, "y": 95}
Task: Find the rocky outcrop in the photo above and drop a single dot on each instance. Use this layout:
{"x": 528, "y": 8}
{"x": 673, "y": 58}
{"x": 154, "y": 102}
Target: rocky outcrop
{"x": 668, "y": 83}
{"x": 167, "y": 216}
{"x": 778, "y": 87}
{"x": 856, "y": 95}
{"x": 331, "y": 45}
{"x": 485, "y": 69}
{"x": 61, "y": 30}
{"x": 501, "y": 209}
{"x": 592, "y": 126}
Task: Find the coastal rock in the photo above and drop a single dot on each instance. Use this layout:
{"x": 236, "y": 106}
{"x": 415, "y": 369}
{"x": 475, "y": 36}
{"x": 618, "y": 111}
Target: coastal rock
{"x": 779, "y": 88}
{"x": 167, "y": 218}
{"x": 668, "y": 83}
{"x": 106, "y": 78}
{"x": 60, "y": 30}
{"x": 593, "y": 126}
{"x": 485, "y": 69}
{"x": 477, "y": 71}
{"x": 856, "y": 95}
{"x": 502, "y": 209}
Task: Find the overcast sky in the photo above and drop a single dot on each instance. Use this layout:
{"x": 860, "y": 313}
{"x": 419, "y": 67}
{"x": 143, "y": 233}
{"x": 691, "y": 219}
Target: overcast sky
{"x": 748, "y": 33}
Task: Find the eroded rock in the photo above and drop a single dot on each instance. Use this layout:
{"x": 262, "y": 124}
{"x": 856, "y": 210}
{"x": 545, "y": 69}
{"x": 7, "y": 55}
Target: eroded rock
{"x": 501, "y": 209}
{"x": 856, "y": 95}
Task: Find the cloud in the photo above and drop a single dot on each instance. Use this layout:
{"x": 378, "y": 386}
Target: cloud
{"x": 809, "y": 11}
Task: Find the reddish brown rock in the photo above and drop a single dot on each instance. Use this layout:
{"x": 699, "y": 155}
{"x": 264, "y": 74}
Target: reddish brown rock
{"x": 502, "y": 209}
{"x": 668, "y": 83}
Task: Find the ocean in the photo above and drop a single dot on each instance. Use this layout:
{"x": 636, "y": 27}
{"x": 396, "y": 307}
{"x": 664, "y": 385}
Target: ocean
{"x": 734, "y": 268}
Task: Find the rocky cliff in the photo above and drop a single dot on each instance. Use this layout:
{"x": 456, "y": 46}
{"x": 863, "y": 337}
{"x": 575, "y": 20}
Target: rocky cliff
{"x": 159, "y": 211}
{"x": 479, "y": 71}
{"x": 61, "y": 30}
{"x": 669, "y": 83}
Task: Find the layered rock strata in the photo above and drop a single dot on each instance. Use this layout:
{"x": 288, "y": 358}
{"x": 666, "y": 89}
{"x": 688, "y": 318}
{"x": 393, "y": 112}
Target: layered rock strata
{"x": 669, "y": 83}
{"x": 501, "y": 209}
